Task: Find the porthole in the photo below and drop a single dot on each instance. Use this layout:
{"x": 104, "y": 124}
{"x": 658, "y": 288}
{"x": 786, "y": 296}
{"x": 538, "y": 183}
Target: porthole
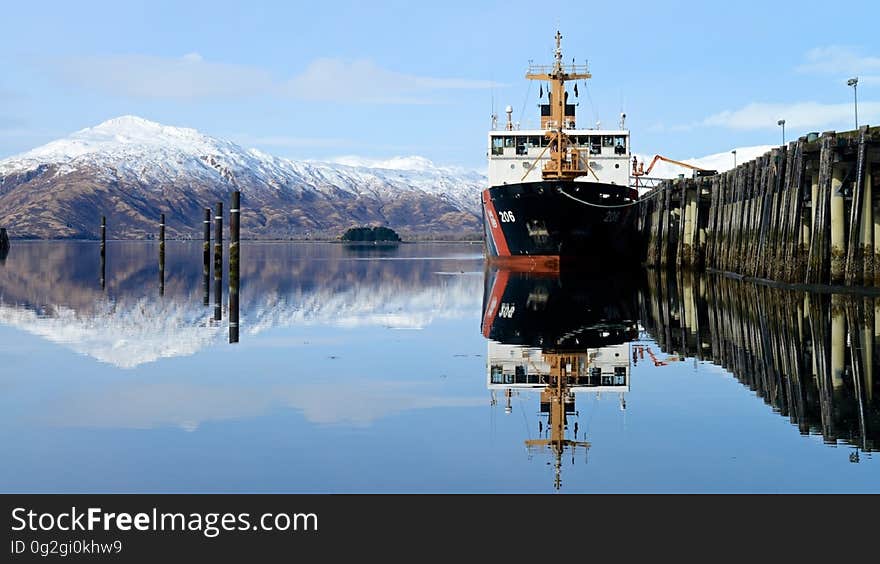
{"x": 512, "y": 166}
{"x": 617, "y": 165}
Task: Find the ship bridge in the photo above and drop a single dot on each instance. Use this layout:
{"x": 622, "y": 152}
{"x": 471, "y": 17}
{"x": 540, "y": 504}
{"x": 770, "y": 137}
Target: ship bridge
{"x": 519, "y": 155}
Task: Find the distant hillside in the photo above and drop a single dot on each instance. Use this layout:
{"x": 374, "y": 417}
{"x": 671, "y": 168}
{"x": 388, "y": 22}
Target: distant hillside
{"x": 131, "y": 170}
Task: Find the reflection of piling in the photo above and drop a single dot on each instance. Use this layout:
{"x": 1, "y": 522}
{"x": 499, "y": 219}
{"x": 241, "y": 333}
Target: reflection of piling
{"x": 811, "y": 356}
{"x": 103, "y": 250}
{"x": 162, "y": 255}
{"x": 218, "y": 260}
{"x": 234, "y": 256}
{"x": 206, "y": 258}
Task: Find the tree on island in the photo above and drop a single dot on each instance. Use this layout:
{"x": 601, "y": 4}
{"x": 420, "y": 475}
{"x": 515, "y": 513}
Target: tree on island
{"x": 370, "y": 235}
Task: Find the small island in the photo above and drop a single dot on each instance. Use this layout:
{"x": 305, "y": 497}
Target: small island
{"x": 370, "y": 235}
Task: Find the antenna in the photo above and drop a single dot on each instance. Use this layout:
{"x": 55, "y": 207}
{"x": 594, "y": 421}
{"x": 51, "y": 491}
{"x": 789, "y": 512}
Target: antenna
{"x": 493, "y": 117}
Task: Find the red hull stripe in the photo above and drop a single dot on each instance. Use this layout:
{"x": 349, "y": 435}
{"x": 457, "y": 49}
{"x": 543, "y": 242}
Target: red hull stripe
{"x": 498, "y": 287}
{"x": 495, "y": 226}
{"x": 547, "y": 264}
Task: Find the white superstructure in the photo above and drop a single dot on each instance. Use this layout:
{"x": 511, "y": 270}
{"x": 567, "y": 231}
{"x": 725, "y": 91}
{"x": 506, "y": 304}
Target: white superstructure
{"x": 519, "y": 155}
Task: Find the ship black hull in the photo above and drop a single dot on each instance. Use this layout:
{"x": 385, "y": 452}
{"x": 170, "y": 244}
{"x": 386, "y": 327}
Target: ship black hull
{"x": 548, "y": 225}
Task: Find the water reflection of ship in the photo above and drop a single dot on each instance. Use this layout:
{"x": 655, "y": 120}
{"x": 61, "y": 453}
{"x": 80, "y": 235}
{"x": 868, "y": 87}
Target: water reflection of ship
{"x": 560, "y": 337}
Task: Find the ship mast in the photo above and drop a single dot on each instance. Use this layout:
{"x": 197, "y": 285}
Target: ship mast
{"x": 566, "y": 162}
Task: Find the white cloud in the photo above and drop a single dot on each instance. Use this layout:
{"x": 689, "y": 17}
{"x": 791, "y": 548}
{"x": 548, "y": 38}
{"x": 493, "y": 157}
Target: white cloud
{"x": 191, "y": 76}
{"x": 147, "y": 76}
{"x": 840, "y": 60}
{"x": 798, "y": 116}
{"x": 365, "y": 82}
{"x": 290, "y": 142}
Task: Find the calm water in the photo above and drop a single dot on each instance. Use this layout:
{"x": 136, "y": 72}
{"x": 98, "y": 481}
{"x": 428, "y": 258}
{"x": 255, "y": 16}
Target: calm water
{"x": 413, "y": 370}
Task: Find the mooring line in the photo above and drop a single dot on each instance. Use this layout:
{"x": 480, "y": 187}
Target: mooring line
{"x": 561, "y": 191}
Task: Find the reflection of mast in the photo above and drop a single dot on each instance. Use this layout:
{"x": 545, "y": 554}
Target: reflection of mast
{"x": 558, "y": 401}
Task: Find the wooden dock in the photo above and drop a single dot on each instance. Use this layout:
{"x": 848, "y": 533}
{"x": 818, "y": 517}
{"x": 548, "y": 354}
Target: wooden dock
{"x": 806, "y": 213}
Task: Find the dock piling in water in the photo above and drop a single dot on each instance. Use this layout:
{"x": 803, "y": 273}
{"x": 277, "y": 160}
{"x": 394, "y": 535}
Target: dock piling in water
{"x": 805, "y": 213}
{"x": 4, "y": 243}
{"x": 234, "y": 258}
{"x": 218, "y": 261}
{"x": 162, "y": 255}
{"x": 206, "y": 257}
{"x": 103, "y": 251}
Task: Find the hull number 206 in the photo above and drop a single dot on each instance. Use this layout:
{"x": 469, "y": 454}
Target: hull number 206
{"x": 506, "y": 217}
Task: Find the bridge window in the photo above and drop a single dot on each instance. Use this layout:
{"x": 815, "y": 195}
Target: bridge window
{"x": 619, "y": 145}
{"x": 497, "y": 145}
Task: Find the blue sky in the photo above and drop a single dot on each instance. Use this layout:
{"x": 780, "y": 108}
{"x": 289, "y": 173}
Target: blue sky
{"x": 322, "y": 80}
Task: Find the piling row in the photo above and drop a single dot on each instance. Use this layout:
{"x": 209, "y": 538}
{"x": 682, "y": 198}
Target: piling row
{"x": 802, "y": 213}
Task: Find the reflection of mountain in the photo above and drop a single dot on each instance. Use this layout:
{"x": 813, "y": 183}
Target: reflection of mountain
{"x": 812, "y": 357}
{"x": 53, "y": 290}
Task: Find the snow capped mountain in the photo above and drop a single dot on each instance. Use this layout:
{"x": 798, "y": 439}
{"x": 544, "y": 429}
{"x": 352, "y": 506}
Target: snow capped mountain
{"x": 156, "y": 168}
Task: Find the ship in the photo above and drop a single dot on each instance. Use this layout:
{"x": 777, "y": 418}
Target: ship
{"x": 559, "y": 196}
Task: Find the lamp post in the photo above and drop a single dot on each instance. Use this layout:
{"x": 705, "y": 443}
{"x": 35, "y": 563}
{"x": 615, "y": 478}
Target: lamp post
{"x": 854, "y": 82}
{"x": 782, "y": 123}
{"x": 734, "y": 157}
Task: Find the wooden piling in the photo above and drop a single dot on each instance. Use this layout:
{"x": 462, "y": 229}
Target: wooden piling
{"x": 792, "y": 261}
{"x": 162, "y": 254}
{"x": 103, "y": 251}
{"x": 820, "y": 244}
{"x": 206, "y": 257}
{"x": 866, "y": 233}
{"x": 234, "y": 257}
{"x": 218, "y": 261}
{"x": 666, "y": 220}
{"x": 855, "y": 249}
{"x": 838, "y": 225}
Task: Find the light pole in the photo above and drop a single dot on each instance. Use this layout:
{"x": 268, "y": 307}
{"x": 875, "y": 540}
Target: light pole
{"x": 782, "y": 123}
{"x": 854, "y": 82}
{"x": 734, "y": 157}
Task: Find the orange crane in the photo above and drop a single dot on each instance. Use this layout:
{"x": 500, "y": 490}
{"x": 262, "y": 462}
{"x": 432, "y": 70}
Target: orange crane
{"x": 640, "y": 350}
{"x": 639, "y": 168}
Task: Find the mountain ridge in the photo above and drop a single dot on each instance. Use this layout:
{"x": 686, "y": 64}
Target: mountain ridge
{"x": 132, "y": 169}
